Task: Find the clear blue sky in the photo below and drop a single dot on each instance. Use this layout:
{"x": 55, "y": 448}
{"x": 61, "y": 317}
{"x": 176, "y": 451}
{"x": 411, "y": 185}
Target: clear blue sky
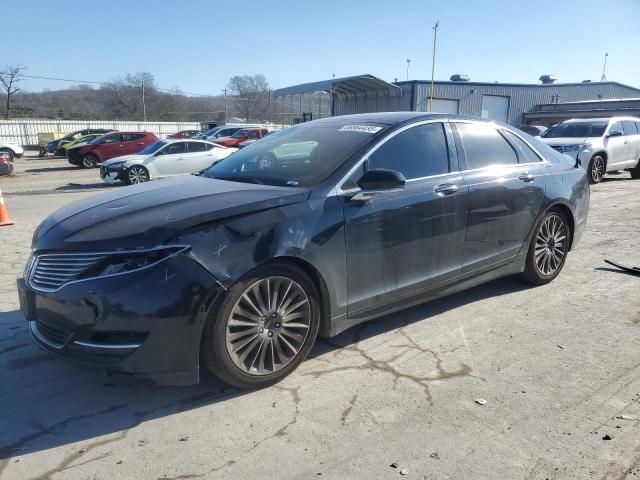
{"x": 197, "y": 45}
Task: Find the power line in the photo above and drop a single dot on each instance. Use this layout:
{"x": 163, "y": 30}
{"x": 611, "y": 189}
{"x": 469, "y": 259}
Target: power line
{"x": 174, "y": 90}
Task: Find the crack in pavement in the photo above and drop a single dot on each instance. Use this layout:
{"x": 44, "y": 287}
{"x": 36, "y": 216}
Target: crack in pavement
{"x": 347, "y": 411}
{"x": 281, "y": 432}
{"x": 385, "y": 366}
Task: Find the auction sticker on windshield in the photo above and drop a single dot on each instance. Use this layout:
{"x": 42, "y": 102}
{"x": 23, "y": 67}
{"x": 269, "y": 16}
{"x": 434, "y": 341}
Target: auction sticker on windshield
{"x": 360, "y": 128}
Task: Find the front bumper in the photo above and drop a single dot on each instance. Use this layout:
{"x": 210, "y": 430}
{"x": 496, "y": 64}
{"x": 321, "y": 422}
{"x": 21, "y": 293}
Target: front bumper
{"x": 146, "y": 323}
{"x": 112, "y": 176}
{"x": 73, "y": 157}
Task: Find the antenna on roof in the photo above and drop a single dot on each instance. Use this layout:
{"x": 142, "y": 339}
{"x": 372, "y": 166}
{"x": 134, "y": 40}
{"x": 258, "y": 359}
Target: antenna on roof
{"x": 603, "y": 78}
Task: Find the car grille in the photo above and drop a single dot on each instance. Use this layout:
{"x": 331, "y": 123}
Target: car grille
{"x": 103, "y": 171}
{"x": 52, "y": 271}
{"x": 53, "y": 335}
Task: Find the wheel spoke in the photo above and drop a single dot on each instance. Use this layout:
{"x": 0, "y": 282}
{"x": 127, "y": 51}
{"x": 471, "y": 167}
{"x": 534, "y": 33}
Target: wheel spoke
{"x": 268, "y": 325}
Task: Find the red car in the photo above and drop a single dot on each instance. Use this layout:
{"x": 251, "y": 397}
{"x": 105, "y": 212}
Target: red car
{"x": 109, "y": 146}
{"x": 184, "y": 134}
{"x": 241, "y": 136}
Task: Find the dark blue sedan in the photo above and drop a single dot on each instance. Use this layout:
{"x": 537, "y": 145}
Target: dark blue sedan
{"x": 308, "y": 232}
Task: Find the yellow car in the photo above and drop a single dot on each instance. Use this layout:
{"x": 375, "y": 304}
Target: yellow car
{"x": 78, "y": 141}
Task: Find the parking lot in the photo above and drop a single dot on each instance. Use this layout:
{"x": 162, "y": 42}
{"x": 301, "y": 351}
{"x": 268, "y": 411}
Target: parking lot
{"x": 558, "y": 366}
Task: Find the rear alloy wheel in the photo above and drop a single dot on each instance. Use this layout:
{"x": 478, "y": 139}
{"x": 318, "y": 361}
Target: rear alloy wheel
{"x": 596, "y": 169}
{"x": 548, "y": 249}
{"x": 264, "y": 328}
{"x": 137, "y": 174}
{"x": 89, "y": 161}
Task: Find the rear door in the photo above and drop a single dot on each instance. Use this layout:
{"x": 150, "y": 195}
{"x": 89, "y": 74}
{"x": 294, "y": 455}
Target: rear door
{"x": 506, "y": 184}
{"x": 632, "y": 139}
{"x": 402, "y": 243}
{"x": 617, "y": 147}
{"x": 132, "y": 142}
{"x": 197, "y": 157}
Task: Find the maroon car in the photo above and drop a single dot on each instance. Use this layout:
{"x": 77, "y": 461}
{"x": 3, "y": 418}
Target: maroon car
{"x": 242, "y": 136}
{"x": 109, "y": 146}
{"x": 184, "y": 134}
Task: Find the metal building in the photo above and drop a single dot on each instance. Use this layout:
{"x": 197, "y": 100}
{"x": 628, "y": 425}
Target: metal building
{"x": 505, "y": 102}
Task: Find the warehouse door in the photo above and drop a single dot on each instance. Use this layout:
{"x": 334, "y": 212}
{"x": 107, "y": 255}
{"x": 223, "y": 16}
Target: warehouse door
{"x": 441, "y": 105}
{"x": 495, "y": 107}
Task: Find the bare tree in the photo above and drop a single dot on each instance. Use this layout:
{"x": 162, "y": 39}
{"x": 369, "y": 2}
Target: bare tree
{"x": 125, "y": 95}
{"x": 9, "y": 78}
{"x": 250, "y": 91}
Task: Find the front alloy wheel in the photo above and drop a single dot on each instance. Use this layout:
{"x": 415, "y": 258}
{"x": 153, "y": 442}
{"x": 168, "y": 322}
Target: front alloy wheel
{"x": 548, "y": 249}
{"x": 89, "y": 161}
{"x": 137, "y": 174}
{"x": 263, "y": 328}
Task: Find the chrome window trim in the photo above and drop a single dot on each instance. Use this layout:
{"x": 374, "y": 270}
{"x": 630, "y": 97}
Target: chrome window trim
{"x": 182, "y": 248}
{"x": 374, "y": 148}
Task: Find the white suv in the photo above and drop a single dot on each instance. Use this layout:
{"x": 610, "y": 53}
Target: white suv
{"x": 13, "y": 149}
{"x": 600, "y": 144}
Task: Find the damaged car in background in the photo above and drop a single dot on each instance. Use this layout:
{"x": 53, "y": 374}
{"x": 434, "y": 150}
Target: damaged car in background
{"x": 308, "y": 232}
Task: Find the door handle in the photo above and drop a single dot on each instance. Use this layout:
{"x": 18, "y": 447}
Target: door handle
{"x": 446, "y": 189}
{"x": 527, "y": 177}
{"x": 626, "y": 142}
{"x": 140, "y": 143}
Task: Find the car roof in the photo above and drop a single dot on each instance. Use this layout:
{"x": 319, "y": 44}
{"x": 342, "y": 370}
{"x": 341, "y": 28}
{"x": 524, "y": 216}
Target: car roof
{"x": 600, "y": 119}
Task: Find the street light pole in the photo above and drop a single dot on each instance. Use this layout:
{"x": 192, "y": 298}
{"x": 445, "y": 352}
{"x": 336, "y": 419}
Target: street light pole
{"x": 408, "y": 63}
{"x": 225, "y": 106}
{"x": 604, "y": 69}
{"x": 433, "y": 61}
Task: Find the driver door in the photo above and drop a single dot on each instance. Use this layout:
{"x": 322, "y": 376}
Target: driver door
{"x": 406, "y": 242}
{"x": 170, "y": 160}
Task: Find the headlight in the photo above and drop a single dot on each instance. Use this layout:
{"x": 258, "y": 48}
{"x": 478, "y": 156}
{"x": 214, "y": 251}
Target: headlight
{"x": 130, "y": 261}
{"x": 575, "y": 148}
{"x": 116, "y": 166}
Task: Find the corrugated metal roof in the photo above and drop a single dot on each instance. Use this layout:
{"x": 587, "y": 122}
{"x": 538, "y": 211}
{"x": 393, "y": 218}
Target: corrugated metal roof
{"x": 528, "y": 85}
{"x": 355, "y": 85}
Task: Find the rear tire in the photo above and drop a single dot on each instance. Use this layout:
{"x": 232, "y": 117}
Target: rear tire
{"x": 597, "y": 168}
{"x": 89, "y": 161}
{"x": 245, "y": 342}
{"x": 548, "y": 248}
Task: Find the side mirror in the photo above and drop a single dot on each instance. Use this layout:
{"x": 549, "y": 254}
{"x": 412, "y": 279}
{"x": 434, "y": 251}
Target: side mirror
{"x": 615, "y": 133}
{"x": 378, "y": 181}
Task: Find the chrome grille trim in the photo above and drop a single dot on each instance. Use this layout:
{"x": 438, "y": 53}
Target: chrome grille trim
{"x": 71, "y": 265}
{"x": 50, "y": 271}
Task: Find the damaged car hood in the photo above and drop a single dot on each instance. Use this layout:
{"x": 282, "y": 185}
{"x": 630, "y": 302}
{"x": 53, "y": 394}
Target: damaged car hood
{"x": 153, "y": 213}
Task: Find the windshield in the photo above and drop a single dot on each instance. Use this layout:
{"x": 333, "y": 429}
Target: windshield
{"x": 581, "y": 129}
{"x": 152, "y": 148}
{"x": 304, "y": 155}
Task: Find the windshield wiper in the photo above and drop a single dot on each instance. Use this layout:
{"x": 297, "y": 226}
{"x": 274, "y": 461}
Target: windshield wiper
{"x": 240, "y": 178}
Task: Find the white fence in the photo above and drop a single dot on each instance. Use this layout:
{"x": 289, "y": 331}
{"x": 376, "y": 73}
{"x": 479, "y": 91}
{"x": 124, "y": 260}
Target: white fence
{"x": 25, "y": 132}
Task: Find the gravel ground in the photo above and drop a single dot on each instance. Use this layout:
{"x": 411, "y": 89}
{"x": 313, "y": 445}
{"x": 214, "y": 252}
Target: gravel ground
{"x": 558, "y": 366}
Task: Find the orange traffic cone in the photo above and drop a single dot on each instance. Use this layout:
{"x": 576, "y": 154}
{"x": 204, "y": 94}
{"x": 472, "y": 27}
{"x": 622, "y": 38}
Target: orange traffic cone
{"x": 4, "y": 215}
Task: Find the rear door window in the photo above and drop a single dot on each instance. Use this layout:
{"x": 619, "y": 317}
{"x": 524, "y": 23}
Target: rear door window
{"x": 629, "y": 127}
{"x": 484, "y": 146}
{"x": 196, "y": 147}
{"x": 175, "y": 148}
{"x": 525, "y": 153}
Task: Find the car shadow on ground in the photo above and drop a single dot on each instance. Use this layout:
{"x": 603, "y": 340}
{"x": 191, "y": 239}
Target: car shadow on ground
{"x": 50, "y": 169}
{"x": 48, "y": 402}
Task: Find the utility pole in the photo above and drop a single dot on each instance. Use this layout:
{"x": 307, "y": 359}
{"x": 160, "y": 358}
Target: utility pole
{"x": 408, "y": 63}
{"x": 604, "y": 69}
{"x": 433, "y": 61}
{"x": 144, "y": 105}
{"x": 226, "y": 111}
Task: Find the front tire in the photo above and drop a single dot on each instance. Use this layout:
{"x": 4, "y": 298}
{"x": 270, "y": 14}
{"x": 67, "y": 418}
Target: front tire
{"x": 263, "y": 328}
{"x": 597, "y": 169}
{"x": 548, "y": 249}
{"x": 137, "y": 174}
{"x": 635, "y": 172}
{"x": 89, "y": 161}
